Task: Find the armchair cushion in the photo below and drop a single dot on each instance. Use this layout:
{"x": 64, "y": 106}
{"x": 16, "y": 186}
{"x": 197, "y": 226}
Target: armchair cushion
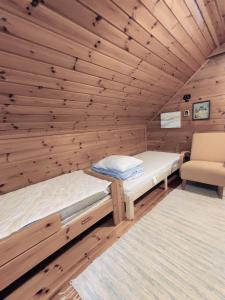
{"x": 208, "y": 147}
{"x": 204, "y": 171}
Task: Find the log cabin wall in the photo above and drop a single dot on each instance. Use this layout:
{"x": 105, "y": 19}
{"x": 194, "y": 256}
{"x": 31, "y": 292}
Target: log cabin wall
{"x": 207, "y": 84}
{"x": 74, "y": 73}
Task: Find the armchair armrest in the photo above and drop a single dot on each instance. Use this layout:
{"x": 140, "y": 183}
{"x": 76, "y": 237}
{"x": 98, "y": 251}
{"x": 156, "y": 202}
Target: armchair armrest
{"x": 184, "y": 156}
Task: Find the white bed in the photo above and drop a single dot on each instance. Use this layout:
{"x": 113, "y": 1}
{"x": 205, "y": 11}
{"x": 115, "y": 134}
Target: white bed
{"x": 157, "y": 167}
{"x": 68, "y": 195}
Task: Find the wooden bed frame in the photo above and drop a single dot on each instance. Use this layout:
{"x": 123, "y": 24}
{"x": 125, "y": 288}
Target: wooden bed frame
{"x": 24, "y": 249}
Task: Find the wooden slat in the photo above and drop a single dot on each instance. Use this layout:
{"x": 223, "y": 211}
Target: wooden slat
{"x": 24, "y": 262}
{"x": 162, "y": 12}
{"x": 206, "y": 84}
{"x": 147, "y": 20}
{"x": 26, "y": 238}
{"x": 79, "y": 36}
{"x": 48, "y": 282}
{"x": 85, "y": 18}
{"x": 112, "y": 13}
{"x": 87, "y": 65}
{"x": 28, "y": 160}
{"x": 196, "y": 13}
{"x": 219, "y": 50}
{"x": 208, "y": 20}
{"x": 183, "y": 14}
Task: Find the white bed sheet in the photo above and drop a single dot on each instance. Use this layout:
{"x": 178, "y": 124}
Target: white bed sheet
{"x": 27, "y": 205}
{"x": 155, "y": 164}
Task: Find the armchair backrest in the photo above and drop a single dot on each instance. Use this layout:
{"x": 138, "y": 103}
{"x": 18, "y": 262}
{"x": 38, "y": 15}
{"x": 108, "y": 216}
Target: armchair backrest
{"x": 208, "y": 146}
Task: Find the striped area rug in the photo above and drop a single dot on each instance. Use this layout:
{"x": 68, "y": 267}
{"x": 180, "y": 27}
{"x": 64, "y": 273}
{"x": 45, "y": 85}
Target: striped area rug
{"x": 175, "y": 252}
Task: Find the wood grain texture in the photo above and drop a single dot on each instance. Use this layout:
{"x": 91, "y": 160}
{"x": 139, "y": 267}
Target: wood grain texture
{"x": 85, "y": 65}
{"x": 20, "y": 242}
{"x": 207, "y": 84}
{"x": 171, "y": 253}
{"x": 27, "y": 160}
{"x": 24, "y": 262}
{"x": 55, "y": 276}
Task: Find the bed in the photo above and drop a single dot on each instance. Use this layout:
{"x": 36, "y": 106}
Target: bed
{"x": 37, "y": 220}
{"x": 157, "y": 167}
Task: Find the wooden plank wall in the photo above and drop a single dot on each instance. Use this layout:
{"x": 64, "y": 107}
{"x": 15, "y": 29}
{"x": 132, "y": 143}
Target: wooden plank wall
{"x": 207, "y": 84}
{"x": 75, "y": 65}
{"x": 27, "y": 160}
{"x": 68, "y": 66}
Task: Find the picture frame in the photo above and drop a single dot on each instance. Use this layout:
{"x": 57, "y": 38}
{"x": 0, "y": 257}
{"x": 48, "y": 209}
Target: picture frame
{"x": 186, "y": 113}
{"x": 171, "y": 119}
{"x": 201, "y": 110}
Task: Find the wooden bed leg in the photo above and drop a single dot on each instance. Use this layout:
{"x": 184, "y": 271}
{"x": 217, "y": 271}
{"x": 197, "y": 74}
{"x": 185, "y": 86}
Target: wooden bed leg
{"x": 184, "y": 182}
{"x": 165, "y": 183}
{"x": 118, "y": 201}
{"x": 130, "y": 210}
{"x": 220, "y": 191}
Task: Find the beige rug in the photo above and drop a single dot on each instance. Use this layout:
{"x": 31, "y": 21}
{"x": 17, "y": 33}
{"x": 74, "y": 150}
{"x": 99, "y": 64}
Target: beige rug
{"x": 175, "y": 252}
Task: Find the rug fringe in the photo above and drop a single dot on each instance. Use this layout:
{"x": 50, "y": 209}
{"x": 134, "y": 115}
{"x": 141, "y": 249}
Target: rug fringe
{"x": 69, "y": 294}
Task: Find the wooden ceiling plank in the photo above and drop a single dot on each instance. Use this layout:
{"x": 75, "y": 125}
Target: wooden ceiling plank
{"x": 220, "y": 4}
{"x": 124, "y": 22}
{"x": 27, "y": 65}
{"x": 11, "y": 89}
{"x": 142, "y": 16}
{"x": 194, "y": 9}
{"x": 78, "y": 92}
{"x": 28, "y": 49}
{"x": 86, "y": 18}
{"x": 42, "y": 82}
{"x": 219, "y": 50}
{"x": 184, "y": 16}
{"x": 67, "y": 13}
{"x": 208, "y": 20}
{"x": 16, "y": 26}
{"x": 95, "y": 103}
{"x": 166, "y": 17}
{"x": 216, "y": 18}
{"x": 43, "y": 16}
{"x": 115, "y": 16}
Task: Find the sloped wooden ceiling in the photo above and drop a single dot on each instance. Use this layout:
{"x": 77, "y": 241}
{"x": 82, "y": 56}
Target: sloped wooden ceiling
{"x": 71, "y": 65}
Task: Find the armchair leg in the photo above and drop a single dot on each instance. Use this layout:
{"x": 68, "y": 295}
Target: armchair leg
{"x": 183, "y": 185}
{"x": 220, "y": 192}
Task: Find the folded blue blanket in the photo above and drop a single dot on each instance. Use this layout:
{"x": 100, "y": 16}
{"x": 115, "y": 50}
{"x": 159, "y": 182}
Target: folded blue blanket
{"x": 132, "y": 173}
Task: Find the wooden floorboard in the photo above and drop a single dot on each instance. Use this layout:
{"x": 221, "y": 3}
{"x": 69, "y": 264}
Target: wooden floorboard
{"x": 53, "y": 277}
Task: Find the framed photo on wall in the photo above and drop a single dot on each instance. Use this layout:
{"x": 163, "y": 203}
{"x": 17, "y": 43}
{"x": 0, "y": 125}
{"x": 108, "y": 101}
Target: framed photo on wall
{"x": 201, "y": 110}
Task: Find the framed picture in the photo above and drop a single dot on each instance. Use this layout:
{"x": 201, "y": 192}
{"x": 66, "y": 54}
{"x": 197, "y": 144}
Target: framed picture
{"x": 171, "y": 120}
{"x": 186, "y": 113}
{"x": 201, "y": 110}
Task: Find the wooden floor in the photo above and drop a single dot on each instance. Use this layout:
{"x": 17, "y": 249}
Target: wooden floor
{"x": 174, "y": 252}
{"x": 53, "y": 276}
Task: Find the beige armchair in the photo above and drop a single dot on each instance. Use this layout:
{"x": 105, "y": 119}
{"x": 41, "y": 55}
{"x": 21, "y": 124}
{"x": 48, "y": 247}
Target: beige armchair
{"x": 207, "y": 160}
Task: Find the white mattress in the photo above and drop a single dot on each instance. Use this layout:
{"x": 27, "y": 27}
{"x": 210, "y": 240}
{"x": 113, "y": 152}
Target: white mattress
{"x": 66, "y": 194}
{"x": 156, "y": 164}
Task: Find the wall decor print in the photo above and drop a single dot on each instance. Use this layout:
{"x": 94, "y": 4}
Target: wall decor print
{"x": 186, "y": 113}
{"x": 171, "y": 120}
{"x": 201, "y": 110}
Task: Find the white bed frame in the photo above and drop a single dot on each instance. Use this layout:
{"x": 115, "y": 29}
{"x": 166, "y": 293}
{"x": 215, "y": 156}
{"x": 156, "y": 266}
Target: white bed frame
{"x": 129, "y": 201}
